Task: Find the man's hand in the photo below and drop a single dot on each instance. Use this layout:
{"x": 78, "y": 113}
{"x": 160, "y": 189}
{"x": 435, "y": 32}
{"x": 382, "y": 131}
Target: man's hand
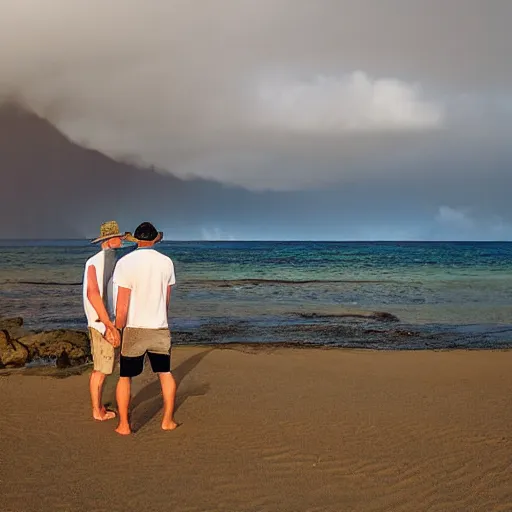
{"x": 113, "y": 336}
{"x": 122, "y": 306}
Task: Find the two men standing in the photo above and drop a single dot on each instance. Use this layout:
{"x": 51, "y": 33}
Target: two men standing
{"x": 138, "y": 289}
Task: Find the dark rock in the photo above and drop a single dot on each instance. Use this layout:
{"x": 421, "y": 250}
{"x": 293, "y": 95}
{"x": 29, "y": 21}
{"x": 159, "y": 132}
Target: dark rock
{"x": 12, "y": 353}
{"x": 385, "y": 317}
{"x": 63, "y": 360}
{"x": 6, "y": 323}
{"x": 401, "y": 332}
{"x": 14, "y": 326}
{"x": 381, "y": 316}
{"x": 52, "y": 344}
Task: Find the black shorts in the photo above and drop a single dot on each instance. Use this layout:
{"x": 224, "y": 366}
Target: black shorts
{"x": 133, "y": 366}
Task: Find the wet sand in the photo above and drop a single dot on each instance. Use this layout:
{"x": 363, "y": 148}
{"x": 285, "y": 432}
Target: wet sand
{"x": 270, "y": 430}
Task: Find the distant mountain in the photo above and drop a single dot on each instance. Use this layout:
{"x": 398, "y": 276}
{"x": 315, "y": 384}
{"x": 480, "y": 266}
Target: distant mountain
{"x": 53, "y": 187}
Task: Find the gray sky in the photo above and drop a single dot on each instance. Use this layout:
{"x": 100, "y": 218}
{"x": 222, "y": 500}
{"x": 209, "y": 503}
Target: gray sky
{"x": 407, "y": 98}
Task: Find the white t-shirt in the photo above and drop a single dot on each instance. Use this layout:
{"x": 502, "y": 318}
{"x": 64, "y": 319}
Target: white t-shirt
{"x": 147, "y": 273}
{"x": 98, "y": 260}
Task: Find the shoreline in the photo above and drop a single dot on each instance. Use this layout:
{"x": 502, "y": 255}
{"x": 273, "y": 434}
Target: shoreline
{"x": 51, "y": 370}
{"x": 356, "y": 328}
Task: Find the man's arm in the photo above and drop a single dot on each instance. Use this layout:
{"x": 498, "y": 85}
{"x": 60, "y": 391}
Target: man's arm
{"x": 122, "y": 305}
{"x": 168, "y": 296}
{"x": 93, "y": 294}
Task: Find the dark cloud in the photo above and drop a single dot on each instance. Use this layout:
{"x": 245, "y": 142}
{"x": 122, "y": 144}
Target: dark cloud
{"x": 407, "y": 98}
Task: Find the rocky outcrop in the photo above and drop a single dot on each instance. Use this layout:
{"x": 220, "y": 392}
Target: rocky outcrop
{"x": 381, "y": 316}
{"x": 53, "y": 344}
{"x": 19, "y": 347}
{"x": 12, "y": 353}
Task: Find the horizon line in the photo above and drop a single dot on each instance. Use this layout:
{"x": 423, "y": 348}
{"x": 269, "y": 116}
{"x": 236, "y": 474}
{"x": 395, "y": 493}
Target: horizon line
{"x": 85, "y": 239}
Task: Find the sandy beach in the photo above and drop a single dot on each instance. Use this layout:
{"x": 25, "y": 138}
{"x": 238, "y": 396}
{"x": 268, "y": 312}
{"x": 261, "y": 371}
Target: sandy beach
{"x": 275, "y": 429}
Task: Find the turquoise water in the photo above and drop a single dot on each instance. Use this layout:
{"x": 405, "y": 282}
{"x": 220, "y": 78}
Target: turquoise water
{"x": 443, "y": 294}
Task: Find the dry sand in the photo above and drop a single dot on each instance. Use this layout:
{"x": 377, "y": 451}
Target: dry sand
{"x": 277, "y": 430}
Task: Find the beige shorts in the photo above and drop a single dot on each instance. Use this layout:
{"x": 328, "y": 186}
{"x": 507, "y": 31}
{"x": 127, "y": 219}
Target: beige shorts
{"x": 137, "y": 341}
{"x": 103, "y": 353}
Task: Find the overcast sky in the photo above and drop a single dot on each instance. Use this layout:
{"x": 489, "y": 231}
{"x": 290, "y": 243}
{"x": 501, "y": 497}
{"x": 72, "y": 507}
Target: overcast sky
{"x": 408, "y": 99}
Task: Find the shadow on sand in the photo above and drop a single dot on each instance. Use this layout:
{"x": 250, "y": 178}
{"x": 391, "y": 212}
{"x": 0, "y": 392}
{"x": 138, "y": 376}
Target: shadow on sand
{"x": 148, "y": 401}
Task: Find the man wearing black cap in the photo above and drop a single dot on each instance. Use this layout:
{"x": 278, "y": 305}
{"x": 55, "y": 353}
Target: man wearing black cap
{"x": 144, "y": 279}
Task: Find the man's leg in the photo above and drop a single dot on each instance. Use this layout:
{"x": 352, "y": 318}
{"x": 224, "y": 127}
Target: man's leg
{"x": 103, "y": 359}
{"x": 169, "y": 395}
{"x": 96, "y": 388}
{"x": 123, "y": 392}
{"x": 128, "y": 367}
{"x": 161, "y": 364}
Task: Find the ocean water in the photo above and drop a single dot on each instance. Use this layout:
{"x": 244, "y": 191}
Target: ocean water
{"x": 427, "y": 295}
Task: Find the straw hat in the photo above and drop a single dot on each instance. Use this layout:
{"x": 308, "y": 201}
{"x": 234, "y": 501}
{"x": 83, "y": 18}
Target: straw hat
{"x": 109, "y": 230}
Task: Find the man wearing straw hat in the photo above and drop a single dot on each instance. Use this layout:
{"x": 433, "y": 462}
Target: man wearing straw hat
{"x": 98, "y": 306}
{"x": 143, "y": 280}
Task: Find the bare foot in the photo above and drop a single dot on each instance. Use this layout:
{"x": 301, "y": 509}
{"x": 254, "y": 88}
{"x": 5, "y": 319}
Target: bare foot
{"x": 104, "y": 415}
{"x": 124, "y": 430}
{"x": 169, "y": 425}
